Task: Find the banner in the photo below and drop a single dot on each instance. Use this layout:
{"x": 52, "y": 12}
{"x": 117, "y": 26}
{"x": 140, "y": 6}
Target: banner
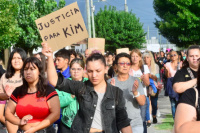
{"x": 122, "y": 50}
{"x": 62, "y": 27}
{"x": 96, "y": 44}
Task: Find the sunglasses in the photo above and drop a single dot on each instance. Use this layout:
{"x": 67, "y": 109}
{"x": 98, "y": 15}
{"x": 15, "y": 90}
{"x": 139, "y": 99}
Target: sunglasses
{"x": 123, "y": 64}
{"x": 173, "y": 55}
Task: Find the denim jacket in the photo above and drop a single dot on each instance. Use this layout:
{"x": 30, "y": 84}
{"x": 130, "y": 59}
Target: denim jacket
{"x": 114, "y": 115}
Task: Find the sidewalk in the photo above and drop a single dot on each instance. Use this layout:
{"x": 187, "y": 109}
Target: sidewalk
{"x": 165, "y": 111}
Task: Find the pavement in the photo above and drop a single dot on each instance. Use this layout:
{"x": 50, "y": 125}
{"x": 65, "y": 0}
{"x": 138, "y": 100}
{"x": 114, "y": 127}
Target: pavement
{"x": 164, "y": 108}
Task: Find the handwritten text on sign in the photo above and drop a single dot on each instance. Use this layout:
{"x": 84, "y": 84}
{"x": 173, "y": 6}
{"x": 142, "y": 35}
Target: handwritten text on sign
{"x": 63, "y": 27}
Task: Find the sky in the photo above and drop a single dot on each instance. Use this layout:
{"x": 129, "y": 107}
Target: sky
{"x": 143, "y": 9}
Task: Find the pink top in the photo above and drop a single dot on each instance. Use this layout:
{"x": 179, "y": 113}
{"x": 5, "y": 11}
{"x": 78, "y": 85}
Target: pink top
{"x": 171, "y": 70}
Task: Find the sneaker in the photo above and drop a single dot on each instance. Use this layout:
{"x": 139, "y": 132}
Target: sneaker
{"x": 158, "y": 113}
{"x": 148, "y": 124}
{"x": 155, "y": 120}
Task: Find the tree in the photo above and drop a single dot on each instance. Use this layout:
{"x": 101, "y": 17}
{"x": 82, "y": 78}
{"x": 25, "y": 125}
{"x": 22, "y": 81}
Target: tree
{"x": 9, "y": 30}
{"x": 119, "y": 28}
{"x": 180, "y": 21}
{"x": 27, "y": 12}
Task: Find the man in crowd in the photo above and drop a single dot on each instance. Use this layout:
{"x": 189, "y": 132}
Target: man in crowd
{"x": 186, "y": 78}
{"x": 86, "y": 53}
{"x": 62, "y": 62}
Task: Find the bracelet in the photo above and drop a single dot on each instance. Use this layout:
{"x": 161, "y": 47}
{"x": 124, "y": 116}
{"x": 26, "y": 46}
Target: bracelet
{"x": 136, "y": 95}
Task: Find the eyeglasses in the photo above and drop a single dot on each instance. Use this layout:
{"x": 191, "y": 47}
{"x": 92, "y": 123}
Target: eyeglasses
{"x": 173, "y": 55}
{"x": 76, "y": 69}
{"x": 123, "y": 64}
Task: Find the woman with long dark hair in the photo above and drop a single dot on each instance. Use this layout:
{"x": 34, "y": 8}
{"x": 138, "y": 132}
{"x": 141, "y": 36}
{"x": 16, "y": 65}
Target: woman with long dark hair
{"x": 101, "y": 105}
{"x": 170, "y": 70}
{"x": 9, "y": 81}
{"x": 35, "y": 102}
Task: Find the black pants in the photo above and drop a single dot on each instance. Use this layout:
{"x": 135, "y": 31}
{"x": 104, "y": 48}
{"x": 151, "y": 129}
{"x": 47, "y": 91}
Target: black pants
{"x": 64, "y": 128}
{"x": 49, "y": 129}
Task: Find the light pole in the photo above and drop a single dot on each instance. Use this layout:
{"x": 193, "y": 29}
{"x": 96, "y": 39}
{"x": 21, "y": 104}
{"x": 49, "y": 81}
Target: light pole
{"x": 88, "y": 18}
{"x": 92, "y": 10}
{"x": 93, "y": 26}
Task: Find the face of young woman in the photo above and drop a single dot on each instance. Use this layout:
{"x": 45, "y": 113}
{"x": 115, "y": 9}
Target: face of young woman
{"x": 76, "y": 72}
{"x": 173, "y": 56}
{"x": 135, "y": 58}
{"x": 31, "y": 73}
{"x": 147, "y": 60}
{"x": 123, "y": 65}
{"x": 17, "y": 61}
{"x": 96, "y": 70}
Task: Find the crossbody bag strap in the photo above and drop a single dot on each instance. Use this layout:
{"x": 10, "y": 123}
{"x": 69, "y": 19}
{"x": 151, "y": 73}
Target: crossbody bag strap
{"x": 191, "y": 75}
{"x": 197, "y": 96}
{"x": 190, "y": 72}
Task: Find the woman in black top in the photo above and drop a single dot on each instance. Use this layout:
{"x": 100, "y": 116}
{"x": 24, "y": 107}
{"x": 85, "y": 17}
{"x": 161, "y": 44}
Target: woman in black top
{"x": 187, "y": 113}
{"x": 113, "y": 114}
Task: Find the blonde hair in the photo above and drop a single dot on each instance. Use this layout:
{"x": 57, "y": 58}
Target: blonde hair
{"x": 153, "y": 64}
{"x": 137, "y": 51}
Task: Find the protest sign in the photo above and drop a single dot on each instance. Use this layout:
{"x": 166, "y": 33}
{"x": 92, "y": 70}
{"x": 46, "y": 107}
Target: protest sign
{"x": 62, "y": 27}
{"x": 96, "y": 44}
{"x": 122, "y": 50}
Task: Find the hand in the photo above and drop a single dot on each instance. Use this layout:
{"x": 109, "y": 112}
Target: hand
{"x": 30, "y": 130}
{"x": 73, "y": 96}
{"x": 135, "y": 86}
{"x": 25, "y": 119}
{"x": 112, "y": 82}
{"x": 8, "y": 90}
{"x": 46, "y": 50}
{"x": 159, "y": 86}
{"x": 142, "y": 77}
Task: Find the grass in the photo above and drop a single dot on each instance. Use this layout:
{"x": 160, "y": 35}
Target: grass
{"x": 167, "y": 123}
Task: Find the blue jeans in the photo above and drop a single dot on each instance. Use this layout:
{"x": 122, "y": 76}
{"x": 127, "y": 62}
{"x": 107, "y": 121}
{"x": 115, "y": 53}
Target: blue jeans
{"x": 147, "y": 109}
{"x": 154, "y": 102}
{"x": 173, "y": 106}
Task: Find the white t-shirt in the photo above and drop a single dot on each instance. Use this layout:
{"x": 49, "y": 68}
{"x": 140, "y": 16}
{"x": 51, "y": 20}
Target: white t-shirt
{"x": 138, "y": 74}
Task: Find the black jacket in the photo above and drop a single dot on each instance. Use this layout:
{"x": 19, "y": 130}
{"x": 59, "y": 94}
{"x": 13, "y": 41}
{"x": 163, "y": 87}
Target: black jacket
{"x": 113, "y": 108}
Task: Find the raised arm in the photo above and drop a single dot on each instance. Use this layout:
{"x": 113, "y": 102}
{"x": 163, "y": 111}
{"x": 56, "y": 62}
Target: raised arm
{"x": 57, "y": 80}
{"x": 51, "y": 70}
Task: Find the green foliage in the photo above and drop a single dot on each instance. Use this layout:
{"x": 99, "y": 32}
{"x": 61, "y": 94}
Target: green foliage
{"x": 119, "y": 28}
{"x": 180, "y": 21}
{"x": 9, "y": 31}
{"x": 23, "y": 16}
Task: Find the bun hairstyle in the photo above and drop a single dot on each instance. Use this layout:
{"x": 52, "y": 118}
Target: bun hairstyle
{"x": 96, "y": 56}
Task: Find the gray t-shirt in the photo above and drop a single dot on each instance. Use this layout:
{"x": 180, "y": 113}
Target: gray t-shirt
{"x": 97, "y": 120}
{"x": 132, "y": 105}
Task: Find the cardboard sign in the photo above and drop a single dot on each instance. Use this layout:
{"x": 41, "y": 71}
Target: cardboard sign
{"x": 96, "y": 44}
{"x": 62, "y": 27}
{"x": 122, "y": 50}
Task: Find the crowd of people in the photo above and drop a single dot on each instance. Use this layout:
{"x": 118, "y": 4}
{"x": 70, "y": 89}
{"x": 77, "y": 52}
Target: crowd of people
{"x": 98, "y": 93}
